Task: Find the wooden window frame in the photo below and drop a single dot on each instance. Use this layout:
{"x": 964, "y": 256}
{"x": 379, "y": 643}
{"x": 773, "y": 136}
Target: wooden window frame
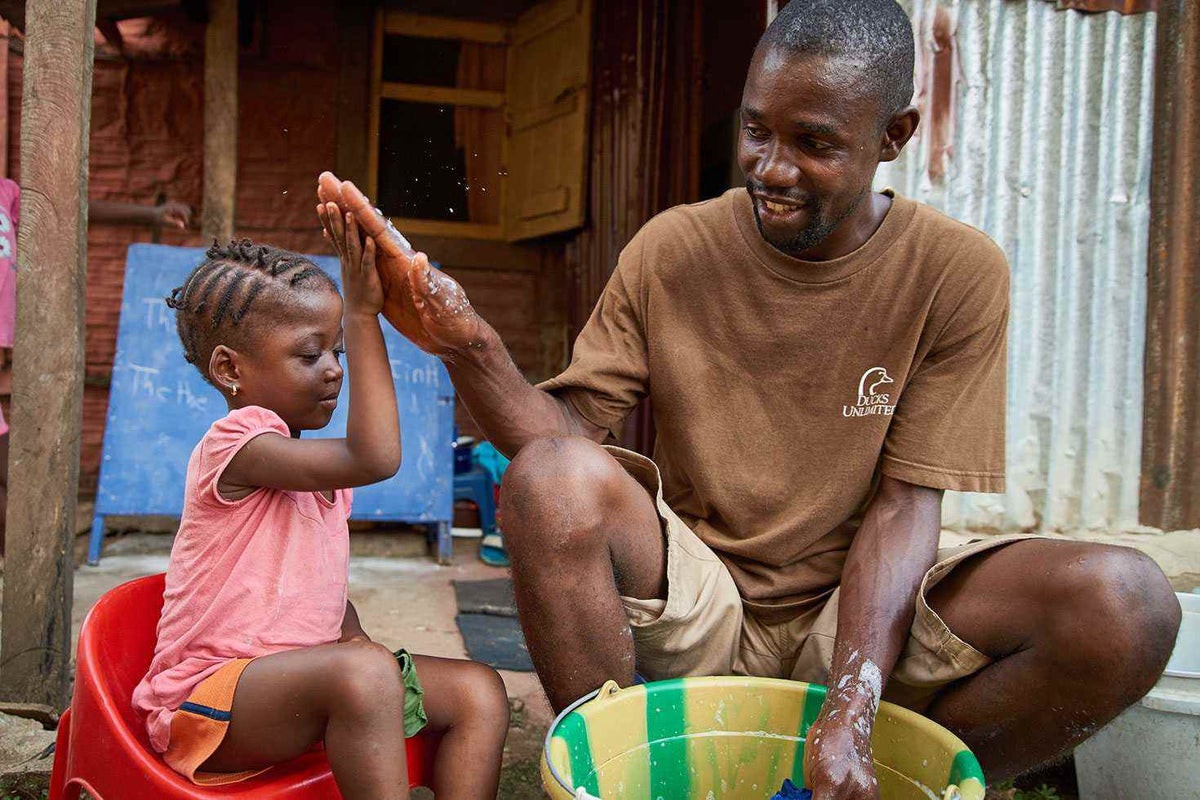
{"x": 401, "y": 23}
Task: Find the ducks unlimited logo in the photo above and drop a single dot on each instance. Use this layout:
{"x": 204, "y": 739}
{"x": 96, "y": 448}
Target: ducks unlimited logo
{"x": 872, "y": 399}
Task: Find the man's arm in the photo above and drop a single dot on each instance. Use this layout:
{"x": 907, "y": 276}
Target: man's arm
{"x": 177, "y": 215}
{"x": 508, "y": 410}
{"x": 893, "y": 549}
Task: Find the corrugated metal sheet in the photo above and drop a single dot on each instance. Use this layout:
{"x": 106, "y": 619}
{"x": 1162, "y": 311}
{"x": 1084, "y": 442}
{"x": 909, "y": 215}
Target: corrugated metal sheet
{"x": 1050, "y": 155}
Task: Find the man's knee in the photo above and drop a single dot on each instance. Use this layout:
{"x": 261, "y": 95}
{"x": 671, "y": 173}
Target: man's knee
{"x": 556, "y": 493}
{"x": 1118, "y": 608}
{"x": 569, "y": 464}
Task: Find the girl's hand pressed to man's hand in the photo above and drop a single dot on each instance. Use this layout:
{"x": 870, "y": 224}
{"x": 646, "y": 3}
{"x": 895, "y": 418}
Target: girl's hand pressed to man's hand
{"x": 361, "y": 288}
{"x": 426, "y": 305}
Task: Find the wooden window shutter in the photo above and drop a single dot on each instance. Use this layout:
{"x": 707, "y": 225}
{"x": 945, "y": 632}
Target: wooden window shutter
{"x": 549, "y": 60}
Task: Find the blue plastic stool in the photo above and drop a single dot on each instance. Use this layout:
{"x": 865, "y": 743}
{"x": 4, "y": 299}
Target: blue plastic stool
{"x": 476, "y": 485}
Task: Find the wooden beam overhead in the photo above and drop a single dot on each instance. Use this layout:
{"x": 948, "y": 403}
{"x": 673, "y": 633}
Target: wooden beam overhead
{"x": 401, "y": 23}
{"x": 444, "y": 95}
{"x": 448, "y": 228}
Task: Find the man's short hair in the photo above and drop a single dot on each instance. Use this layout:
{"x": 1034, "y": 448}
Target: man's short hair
{"x": 875, "y": 34}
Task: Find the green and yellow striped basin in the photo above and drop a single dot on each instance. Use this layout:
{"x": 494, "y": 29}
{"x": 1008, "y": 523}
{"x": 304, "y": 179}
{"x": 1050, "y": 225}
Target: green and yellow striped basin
{"x": 733, "y": 739}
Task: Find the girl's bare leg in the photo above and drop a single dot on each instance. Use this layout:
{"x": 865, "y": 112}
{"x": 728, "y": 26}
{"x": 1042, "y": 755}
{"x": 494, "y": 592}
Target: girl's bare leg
{"x": 351, "y": 695}
{"x": 466, "y": 701}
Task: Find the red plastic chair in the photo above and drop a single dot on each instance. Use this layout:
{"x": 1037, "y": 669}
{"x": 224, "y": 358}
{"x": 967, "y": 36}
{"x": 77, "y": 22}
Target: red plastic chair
{"x": 102, "y": 744}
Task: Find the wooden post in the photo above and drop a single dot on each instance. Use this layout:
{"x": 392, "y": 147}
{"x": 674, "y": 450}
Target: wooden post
{"x": 48, "y": 365}
{"x": 220, "y": 119}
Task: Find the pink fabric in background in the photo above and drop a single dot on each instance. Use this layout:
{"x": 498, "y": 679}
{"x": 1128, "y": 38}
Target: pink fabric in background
{"x": 10, "y": 213}
{"x": 246, "y": 578}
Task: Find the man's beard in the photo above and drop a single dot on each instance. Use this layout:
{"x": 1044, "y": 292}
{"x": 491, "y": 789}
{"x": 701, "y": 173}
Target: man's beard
{"x": 809, "y": 237}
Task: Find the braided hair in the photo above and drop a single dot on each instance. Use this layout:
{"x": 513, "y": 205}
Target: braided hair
{"x": 215, "y": 299}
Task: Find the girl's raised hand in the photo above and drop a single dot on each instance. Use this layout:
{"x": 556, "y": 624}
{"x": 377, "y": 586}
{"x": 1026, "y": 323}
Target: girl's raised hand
{"x": 361, "y": 288}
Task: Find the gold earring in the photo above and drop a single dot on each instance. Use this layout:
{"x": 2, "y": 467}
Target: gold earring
{"x": 233, "y": 390}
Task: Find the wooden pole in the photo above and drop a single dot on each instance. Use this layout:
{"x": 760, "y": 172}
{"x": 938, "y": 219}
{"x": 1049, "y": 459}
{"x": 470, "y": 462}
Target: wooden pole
{"x": 48, "y": 365}
{"x": 220, "y": 119}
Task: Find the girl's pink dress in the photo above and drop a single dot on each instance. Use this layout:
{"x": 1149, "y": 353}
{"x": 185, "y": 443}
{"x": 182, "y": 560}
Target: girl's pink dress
{"x": 10, "y": 213}
{"x": 246, "y": 578}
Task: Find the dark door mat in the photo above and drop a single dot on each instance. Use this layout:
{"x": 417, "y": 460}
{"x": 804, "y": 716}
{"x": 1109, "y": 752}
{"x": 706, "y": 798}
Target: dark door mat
{"x": 494, "y": 640}
{"x": 486, "y": 597}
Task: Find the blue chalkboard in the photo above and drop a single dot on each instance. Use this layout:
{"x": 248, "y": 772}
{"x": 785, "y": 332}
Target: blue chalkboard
{"x": 159, "y": 408}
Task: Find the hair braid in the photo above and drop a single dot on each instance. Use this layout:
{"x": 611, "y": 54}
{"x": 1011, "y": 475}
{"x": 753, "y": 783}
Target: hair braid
{"x": 218, "y": 294}
{"x": 227, "y": 293}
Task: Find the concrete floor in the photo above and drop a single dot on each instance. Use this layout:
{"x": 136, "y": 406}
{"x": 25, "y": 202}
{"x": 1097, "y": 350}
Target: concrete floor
{"x": 405, "y": 599}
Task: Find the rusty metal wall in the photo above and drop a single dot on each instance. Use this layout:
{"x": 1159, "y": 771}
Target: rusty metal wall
{"x": 1171, "y": 456}
{"x": 1048, "y": 150}
{"x": 643, "y": 145}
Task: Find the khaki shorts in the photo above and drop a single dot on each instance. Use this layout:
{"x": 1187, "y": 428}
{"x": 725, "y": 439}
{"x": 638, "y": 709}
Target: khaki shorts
{"x": 702, "y": 628}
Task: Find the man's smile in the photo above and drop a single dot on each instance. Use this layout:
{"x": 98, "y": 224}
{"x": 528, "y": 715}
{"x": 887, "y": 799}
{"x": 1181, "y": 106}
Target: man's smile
{"x": 777, "y": 210}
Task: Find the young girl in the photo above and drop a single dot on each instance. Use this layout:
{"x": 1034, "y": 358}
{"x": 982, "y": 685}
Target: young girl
{"x": 260, "y": 655}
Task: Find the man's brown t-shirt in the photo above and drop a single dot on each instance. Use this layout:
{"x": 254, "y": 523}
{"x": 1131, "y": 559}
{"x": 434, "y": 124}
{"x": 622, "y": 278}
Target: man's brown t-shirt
{"x": 781, "y": 388}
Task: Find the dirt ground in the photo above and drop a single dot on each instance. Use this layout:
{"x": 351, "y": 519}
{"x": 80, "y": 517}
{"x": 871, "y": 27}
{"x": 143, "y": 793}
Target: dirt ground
{"x": 405, "y": 599}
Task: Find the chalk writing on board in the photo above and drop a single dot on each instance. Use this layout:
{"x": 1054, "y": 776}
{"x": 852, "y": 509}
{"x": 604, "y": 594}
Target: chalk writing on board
{"x": 146, "y": 383}
{"x": 404, "y": 372}
{"x": 159, "y": 314}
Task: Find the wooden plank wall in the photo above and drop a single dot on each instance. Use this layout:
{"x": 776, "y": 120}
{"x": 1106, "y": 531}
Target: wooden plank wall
{"x": 645, "y": 142}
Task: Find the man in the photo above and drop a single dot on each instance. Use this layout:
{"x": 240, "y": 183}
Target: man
{"x": 824, "y": 362}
